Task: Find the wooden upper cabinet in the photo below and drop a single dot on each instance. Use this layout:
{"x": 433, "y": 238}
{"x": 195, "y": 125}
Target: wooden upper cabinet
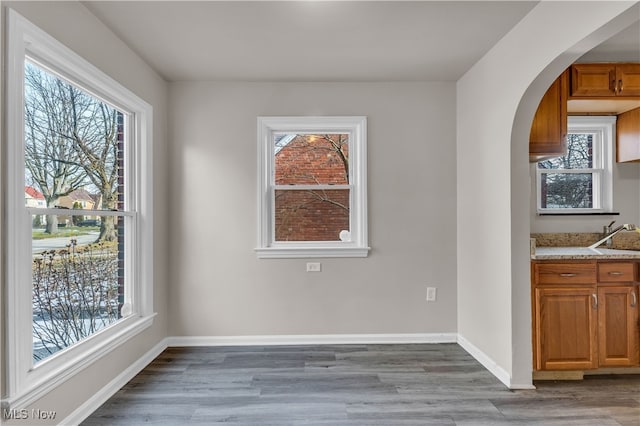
{"x": 548, "y": 137}
{"x": 628, "y": 136}
{"x": 628, "y": 76}
{"x": 605, "y": 80}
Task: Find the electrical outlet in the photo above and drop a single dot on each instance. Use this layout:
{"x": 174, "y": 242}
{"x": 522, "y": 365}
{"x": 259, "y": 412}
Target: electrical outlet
{"x": 313, "y": 267}
{"x": 431, "y": 294}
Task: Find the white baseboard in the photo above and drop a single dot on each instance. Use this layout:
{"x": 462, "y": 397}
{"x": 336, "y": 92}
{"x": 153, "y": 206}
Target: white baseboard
{"x": 93, "y": 403}
{"x": 488, "y": 363}
{"x": 320, "y": 339}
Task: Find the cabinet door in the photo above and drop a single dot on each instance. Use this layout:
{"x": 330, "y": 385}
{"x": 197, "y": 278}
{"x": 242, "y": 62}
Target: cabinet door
{"x": 548, "y": 137}
{"x": 593, "y": 80}
{"x": 628, "y": 136}
{"x": 566, "y": 333}
{"x": 628, "y": 80}
{"x": 618, "y": 326}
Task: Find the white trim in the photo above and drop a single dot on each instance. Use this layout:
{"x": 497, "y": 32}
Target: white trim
{"x": 313, "y": 339}
{"x": 319, "y": 252}
{"x": 356, "y": 127}
{"x": 73, "y": 365}
{"x": 604, "y": 129}
{"x": 488, "y": 363}
{"x": 92, "y": 404}
{"x": 24, "y": 382}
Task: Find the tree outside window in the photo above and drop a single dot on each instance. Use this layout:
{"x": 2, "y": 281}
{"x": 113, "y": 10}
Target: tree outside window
{"x": 581, "y": 180}
{"x": 73, "y": 145}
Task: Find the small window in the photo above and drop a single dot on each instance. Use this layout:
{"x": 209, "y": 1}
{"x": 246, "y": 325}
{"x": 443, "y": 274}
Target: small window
{"x": 312, "y": 187}
{"x": 579, "y": 182}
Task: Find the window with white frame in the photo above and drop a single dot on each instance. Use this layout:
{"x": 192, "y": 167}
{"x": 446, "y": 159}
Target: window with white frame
{"x": 79, "y": 219}
{"x": 580, "y": 181}
{"x": 312, "y": 187}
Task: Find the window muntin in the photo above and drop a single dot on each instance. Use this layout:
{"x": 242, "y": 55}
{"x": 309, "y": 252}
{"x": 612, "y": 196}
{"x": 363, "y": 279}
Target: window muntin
{"x": 579, "y": 182}
{"x": 312, "y": 187}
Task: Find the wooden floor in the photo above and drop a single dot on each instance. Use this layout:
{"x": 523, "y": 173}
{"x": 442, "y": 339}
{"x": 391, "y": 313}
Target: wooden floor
{"x": 432, "y": 384}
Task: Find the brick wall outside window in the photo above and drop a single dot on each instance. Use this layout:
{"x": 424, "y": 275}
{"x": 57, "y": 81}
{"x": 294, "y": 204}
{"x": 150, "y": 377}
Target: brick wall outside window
{"x": 318, "y": 214}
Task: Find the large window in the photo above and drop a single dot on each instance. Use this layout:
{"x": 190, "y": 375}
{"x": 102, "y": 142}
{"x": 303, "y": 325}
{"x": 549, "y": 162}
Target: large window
{"x": 579, "y": 182}
{"x": 312, "y": 187}
{"x": 79, "y": 269}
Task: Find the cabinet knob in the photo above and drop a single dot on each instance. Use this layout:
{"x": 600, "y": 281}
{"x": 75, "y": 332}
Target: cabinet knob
{"x": 568, "y": 274}
{"x": 616, "y": 273}
{"x": 620, "y": 86}
{"x": 635, "y": 299}
{"x": 594, "y": 305}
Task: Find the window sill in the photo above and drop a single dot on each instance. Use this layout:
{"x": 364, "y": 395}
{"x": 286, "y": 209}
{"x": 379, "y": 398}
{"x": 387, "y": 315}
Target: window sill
{"x": 310, "y": 252}
{"x": 579, "y": 214}
{"x": 64, "y": 365}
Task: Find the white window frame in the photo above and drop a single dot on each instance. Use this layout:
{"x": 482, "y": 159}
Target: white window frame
{"x": 603, "y": 128}
{"x": 356, "y": 128}
{"x": 24, "y": 381}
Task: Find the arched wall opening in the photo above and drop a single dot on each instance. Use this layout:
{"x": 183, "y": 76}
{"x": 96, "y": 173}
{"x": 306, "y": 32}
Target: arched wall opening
{"x": 520, "y": 179}
{"x": 496, "y": 101}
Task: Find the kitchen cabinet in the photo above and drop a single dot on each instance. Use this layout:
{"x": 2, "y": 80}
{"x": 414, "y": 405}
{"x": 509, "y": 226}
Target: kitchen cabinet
{"x": 605, "y": 80}
{"x": 565, "y": 316}
{"x": 617, "y": 314}
{"x": 628, "y": 136}
{"x": 548, "y": 136}
{"x": 618, "y": 326}
{"x": 585, "y": 314}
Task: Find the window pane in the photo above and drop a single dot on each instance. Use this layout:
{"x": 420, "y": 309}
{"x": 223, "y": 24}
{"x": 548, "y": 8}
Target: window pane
{"x": 78, "y": 280}
{"x": 73, "y": 146}
{"x": 579, "y": 154}
{"x": 311, "y": 159}
{"x": 566, "y": 190}
{"x": 314, "y": 215}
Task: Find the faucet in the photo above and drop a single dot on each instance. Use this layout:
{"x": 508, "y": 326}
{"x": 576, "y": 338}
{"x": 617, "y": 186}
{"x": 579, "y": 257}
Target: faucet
{"x": 612, "y": 232}
{"x": 606, "y": 230}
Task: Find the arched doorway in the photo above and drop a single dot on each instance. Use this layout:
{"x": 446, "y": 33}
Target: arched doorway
{"x": 496, "y": 101}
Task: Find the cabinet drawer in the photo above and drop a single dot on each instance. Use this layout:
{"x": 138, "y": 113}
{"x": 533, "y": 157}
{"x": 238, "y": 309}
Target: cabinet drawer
{"x": 616, "y": 272}
{"x": 565, "y": 273}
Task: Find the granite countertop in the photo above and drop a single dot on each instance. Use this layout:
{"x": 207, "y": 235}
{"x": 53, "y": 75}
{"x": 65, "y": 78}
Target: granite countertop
{"x": 544, "y": 253}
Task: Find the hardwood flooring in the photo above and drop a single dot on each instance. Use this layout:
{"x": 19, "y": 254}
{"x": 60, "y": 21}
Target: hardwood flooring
{"x": 425, "y": 384}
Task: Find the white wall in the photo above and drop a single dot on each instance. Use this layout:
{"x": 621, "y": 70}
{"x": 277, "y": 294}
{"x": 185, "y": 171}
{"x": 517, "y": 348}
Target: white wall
{"x": 496, "y": 101}
{"x": 220, "y": 288}
{"x": 74, "y": 26}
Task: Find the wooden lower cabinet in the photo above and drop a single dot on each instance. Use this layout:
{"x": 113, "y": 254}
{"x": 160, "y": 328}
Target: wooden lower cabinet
{"x": 618, "y": 326}
{"x": 566, "y": 320}
{"x": 585, "y": 315}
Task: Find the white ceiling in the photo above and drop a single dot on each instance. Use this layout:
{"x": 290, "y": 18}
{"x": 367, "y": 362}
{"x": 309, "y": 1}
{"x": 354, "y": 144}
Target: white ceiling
{"x": 623, "y": 47}
{"x": 310, "y": 40}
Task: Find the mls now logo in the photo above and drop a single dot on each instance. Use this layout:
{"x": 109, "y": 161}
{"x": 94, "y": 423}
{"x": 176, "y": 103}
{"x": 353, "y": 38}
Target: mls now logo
{"x": 23, "y": 414}
{"x": 15, "y": 414}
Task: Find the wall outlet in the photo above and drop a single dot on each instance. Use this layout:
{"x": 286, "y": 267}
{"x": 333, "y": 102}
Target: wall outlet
{"x": 431, "y": 294}
{"x": 313, "y": 267}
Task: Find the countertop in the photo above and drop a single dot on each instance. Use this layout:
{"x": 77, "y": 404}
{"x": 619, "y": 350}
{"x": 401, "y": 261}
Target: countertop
{"x": 576, "y": 253}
